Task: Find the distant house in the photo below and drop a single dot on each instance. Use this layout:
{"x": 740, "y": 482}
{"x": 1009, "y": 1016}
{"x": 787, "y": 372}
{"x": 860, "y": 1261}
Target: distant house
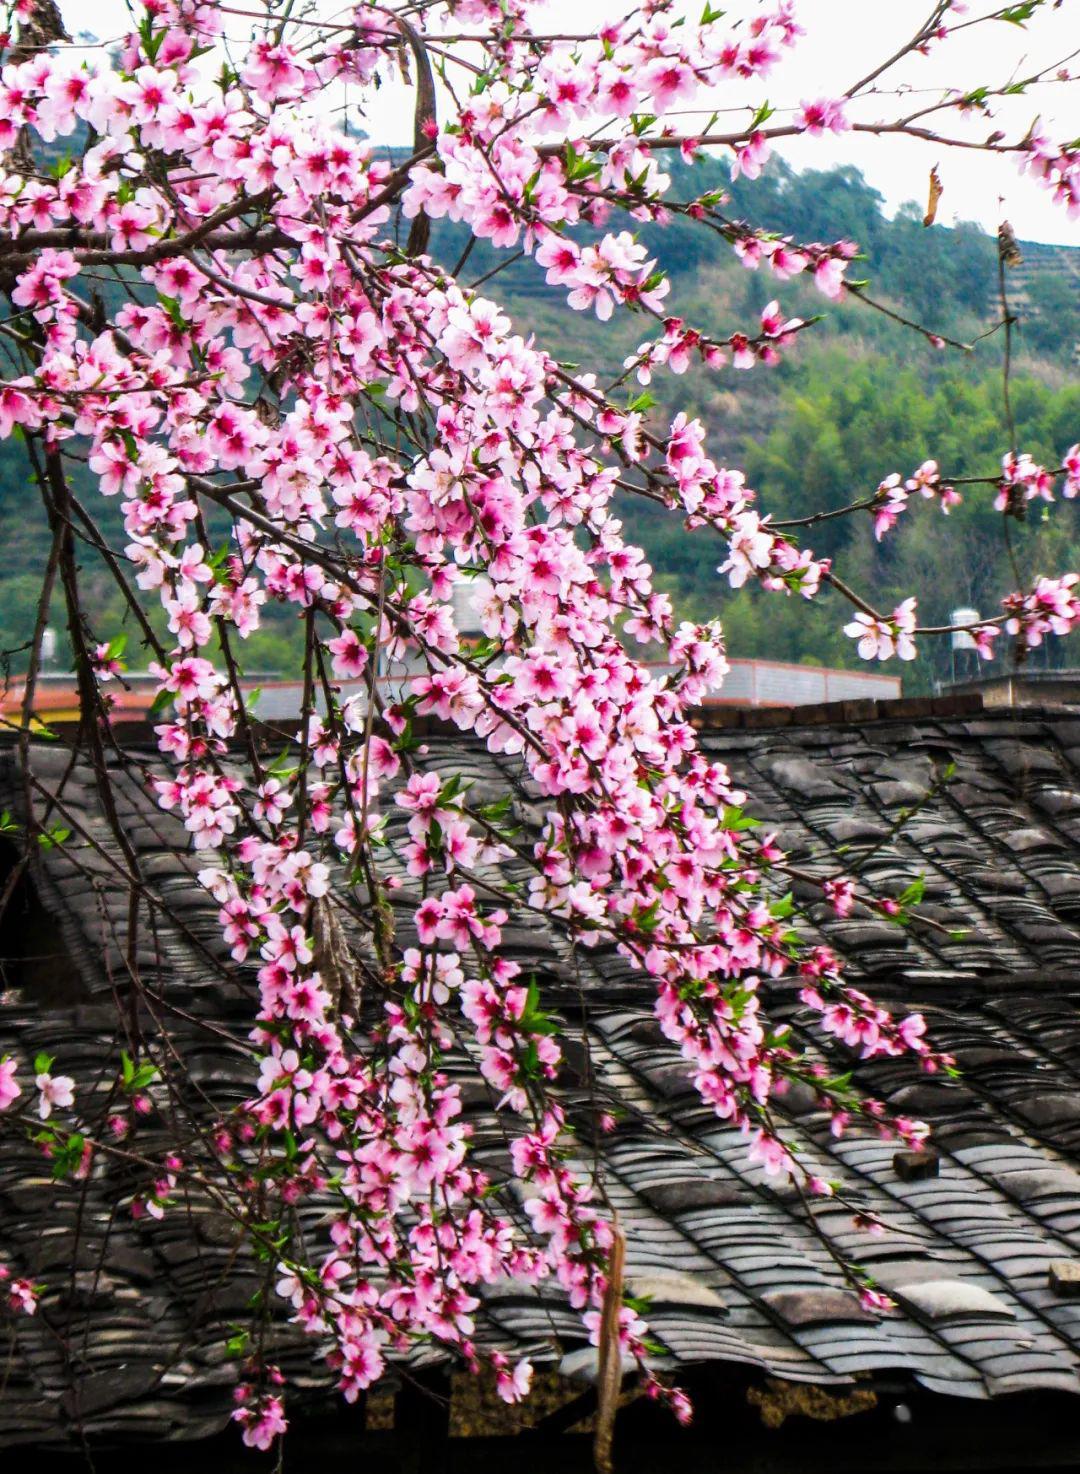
{"x": 749, "y": 683}
{"x": 1024, "y": 687}
{"x": 979, "y": 1368}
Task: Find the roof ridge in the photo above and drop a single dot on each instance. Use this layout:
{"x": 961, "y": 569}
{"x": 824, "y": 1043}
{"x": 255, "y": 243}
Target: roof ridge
{"x": 839, "y": 713}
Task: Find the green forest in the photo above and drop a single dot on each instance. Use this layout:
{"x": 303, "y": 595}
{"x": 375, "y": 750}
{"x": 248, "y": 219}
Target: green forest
{"x": 856, "y": 397}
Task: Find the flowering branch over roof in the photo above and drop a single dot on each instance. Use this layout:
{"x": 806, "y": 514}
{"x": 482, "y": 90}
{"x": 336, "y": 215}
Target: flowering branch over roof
{"x": 377, "y": 436}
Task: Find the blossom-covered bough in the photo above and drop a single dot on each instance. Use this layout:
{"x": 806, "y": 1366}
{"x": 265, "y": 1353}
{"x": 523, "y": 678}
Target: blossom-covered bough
{"x": 289, "y": 361}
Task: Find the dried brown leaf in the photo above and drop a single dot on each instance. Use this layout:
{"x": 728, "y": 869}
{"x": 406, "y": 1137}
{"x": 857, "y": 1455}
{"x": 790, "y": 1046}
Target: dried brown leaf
{"x": 333, "y": 958}
{"x": 1008, "y": 249}
{"x": 609, "y": 1379}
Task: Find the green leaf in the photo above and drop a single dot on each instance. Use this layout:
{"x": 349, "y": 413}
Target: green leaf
{"x": 151, "y": 39}
{"x": 485, "y": 649}
{"x": 578, "y": 167}
{"x": 837, "y": 1085}
{"x": 912, "y": 895}
{"x": 539, "y": 1023}
{"x": 54, "y": 837}
{"x": 1017, "y": 14}
{"x": 763, "y": 114}
{"x": 284, "y": 765}
{"x": 451, "y": 788}
{"x": 67, "y": 1157}
{"x": 647, "y": 920}
{"x": 174, "y": 310}
{"x": 734, "y": 818}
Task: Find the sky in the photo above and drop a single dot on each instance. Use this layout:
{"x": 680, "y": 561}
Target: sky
{"x": 845, "y": 39}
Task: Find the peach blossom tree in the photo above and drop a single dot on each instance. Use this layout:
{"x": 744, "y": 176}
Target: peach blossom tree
{"x": 377, "y": 435}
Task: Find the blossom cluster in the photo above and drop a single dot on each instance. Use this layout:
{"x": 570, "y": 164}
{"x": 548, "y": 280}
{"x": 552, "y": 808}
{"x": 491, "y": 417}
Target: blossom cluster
{"x": 879, "y": 638}
{"x": 20, "y": 1295}
{"x": 1056, "y": 167}
{"x": 893, "y": 493}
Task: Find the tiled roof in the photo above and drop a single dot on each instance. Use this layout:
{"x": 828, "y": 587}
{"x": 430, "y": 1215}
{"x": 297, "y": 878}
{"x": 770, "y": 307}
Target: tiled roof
{"x": 981, "y": 1244}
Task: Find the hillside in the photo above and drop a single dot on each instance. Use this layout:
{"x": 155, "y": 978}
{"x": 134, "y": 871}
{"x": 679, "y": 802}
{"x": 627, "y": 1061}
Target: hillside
{"x": 855, "y": 398}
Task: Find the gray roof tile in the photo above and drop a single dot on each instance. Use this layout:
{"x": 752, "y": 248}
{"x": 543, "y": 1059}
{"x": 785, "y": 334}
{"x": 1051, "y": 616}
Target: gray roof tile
{"x": 968, "y": 1252}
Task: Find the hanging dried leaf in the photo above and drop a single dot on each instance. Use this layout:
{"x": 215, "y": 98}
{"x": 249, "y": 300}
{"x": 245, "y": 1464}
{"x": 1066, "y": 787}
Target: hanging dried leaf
{"x": 609, "y": 1379}
{"x": 937, "y": 189}
{"x": 424, "y": 125}
{"x": 41, "y": 27}
{"x": 333, "y": 958}
{"x": 1008, "y": 249}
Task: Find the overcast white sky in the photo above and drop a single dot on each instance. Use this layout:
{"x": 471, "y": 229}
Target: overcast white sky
{"x": 846, "y": 38}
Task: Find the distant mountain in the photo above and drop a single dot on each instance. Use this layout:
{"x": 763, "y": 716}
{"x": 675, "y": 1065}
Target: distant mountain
{"x": 856, "y": 397}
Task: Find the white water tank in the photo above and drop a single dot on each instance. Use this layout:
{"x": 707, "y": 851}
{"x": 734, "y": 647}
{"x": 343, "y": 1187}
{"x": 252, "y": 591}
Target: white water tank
{"x": 469, "y": 595}
{"x": 961, "y": 639}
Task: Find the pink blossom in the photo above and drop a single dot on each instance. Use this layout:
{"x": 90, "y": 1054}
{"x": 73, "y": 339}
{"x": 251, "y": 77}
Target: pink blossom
{"x": 751, "y": 157}
{"x": 825, "y": 115}
{"x": 20, "y": 1294}
{"x": 10, "y": 1089}
{"x": 840, "y": 894}
{"x": 876, "y": 1301}
{"x": 54, "y": 1092}
{"x": 883, "y": 638}
{"x": 1070, "y": 463}
{"x": 262, "y": 1421}
{"x": 893, "y": 499}
{"x": 512, "y": 1382}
